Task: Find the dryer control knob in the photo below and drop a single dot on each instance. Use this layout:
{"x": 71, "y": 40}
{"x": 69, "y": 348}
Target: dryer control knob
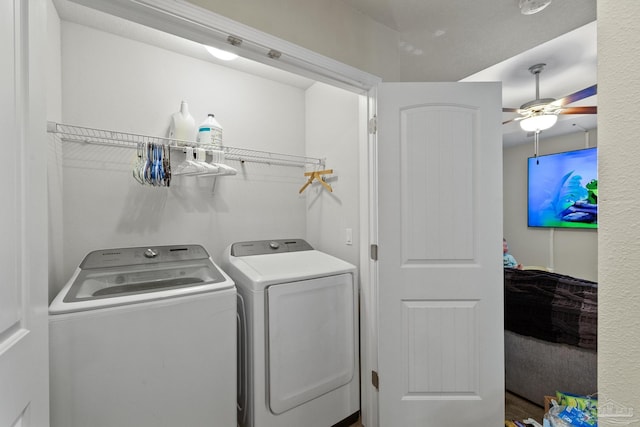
{"x": 274, "y": 245}
{"x": 150, "y": 253}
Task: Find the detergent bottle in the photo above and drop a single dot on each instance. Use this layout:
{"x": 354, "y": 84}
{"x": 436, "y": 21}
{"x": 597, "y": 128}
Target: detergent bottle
{"x": 210, "y": 132}
{"x": 183, "y": 126}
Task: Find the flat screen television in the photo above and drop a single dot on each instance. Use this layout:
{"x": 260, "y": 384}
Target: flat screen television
{"x": 563, "y": 190}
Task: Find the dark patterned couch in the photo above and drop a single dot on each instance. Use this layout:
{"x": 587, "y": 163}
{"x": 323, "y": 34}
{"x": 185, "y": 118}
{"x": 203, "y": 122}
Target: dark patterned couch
{"x": 550, "y": 334}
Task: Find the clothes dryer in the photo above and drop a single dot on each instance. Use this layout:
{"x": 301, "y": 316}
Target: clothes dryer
{"x": 144, "y": 337}
{"x": 299, "y": 341}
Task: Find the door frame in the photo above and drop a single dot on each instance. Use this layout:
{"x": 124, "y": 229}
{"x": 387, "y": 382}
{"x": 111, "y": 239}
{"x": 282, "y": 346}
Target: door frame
{"x": 201, "y": 25}
{"x": 368, "y": 164}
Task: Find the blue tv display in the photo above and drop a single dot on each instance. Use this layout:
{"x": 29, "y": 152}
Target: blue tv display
{"x": 563, "y": 190}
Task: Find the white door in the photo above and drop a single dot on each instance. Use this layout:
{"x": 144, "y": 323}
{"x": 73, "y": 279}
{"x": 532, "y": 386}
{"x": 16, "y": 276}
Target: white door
{"x": 24, "y": 383}
{"x": 439, "y": 237}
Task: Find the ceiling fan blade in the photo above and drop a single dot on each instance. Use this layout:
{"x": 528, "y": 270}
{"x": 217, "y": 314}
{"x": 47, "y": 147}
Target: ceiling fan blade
{"x": 579, "y": 110}
{"x": 510, "y": 110}
{"x": 581, "y": 94}
{"x": 514, "y": 120}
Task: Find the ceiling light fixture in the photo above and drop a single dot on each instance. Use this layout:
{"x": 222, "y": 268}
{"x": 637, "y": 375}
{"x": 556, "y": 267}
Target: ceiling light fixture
{"x": 529, "y": 7}
{"x": 221, "y": 54}
{"x": 538, "y": 122}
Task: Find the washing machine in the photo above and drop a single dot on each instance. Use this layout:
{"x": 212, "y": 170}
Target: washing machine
{"x": 298, "y": 362}
{"x": 144, "y": 337}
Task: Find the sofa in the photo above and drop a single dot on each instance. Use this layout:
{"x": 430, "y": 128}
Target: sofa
{"x": 550, "y": 334}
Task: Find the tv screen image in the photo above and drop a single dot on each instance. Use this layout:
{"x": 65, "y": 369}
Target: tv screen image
{"x": 563, "y": 189}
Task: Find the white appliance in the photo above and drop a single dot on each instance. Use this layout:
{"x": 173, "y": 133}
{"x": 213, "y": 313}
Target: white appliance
{"x": 299, "y": 343}
{"x": 144, "y": 337}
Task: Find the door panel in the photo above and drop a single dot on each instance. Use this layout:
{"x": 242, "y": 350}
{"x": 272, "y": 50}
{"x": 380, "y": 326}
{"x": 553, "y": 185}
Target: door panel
{"x": 440, "y": 276}
{"x": 9, "y": 296}
{"x": 434, "y": 173}
{"x": 311, "y": 340}
{"x": 23, "y": 279}
{"x": 13, "y": 400}
{"x": 440, "y": 364}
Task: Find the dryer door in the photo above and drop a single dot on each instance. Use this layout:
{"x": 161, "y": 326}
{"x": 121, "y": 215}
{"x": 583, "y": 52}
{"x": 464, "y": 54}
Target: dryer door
{"x": 311, "y": 339}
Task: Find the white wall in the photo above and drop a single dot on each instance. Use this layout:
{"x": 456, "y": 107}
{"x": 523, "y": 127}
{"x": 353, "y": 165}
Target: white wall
{"x": 332, "y": 132}
{"x": 571, "y": 252}
{"x": 114, "y": 83}
{"x": 619, "y": 234}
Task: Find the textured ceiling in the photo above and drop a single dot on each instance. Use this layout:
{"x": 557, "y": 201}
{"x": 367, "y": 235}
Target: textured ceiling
{"x": 490, "y": 40}
{"x": 455, "y": 38}
{"x": 571, "y": 65}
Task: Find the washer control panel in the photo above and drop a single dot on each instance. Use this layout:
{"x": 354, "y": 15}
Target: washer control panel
{"x": 142, "y": 255}
{"x": 263, "y": 247}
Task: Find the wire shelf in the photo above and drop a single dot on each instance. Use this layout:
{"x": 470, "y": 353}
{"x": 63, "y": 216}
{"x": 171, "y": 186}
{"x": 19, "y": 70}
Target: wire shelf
{"x": 72, "y": 133}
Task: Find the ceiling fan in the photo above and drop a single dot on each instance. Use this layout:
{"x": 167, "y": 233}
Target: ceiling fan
{"x": 541, "y": 114}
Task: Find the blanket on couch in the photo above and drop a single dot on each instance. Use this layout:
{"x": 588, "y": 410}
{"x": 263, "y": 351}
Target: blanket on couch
{"x": 552, "y": 307}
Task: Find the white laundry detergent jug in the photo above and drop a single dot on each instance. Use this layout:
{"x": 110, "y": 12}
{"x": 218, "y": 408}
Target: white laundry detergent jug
{"x": 183, "y": 125}
{"x": 210, "y": 132}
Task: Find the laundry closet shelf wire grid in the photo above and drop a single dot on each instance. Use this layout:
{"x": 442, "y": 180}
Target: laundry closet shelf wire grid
{"x": 72, "y": 133}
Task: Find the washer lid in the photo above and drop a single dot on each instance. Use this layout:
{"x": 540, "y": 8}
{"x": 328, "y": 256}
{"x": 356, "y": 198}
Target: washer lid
{"x": 129, "y": 275}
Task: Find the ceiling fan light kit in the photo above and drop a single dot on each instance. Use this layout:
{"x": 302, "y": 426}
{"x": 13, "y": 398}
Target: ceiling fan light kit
{"x": 542, "y": 113}
{"x": 538, "y": 122}
{"x": 529, "y": 7}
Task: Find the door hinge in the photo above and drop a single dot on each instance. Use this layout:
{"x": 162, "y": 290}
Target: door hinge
{"x": 373, "y": 125}
{"x": 374, "y": 379}
{"x": 374, "y": 252}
